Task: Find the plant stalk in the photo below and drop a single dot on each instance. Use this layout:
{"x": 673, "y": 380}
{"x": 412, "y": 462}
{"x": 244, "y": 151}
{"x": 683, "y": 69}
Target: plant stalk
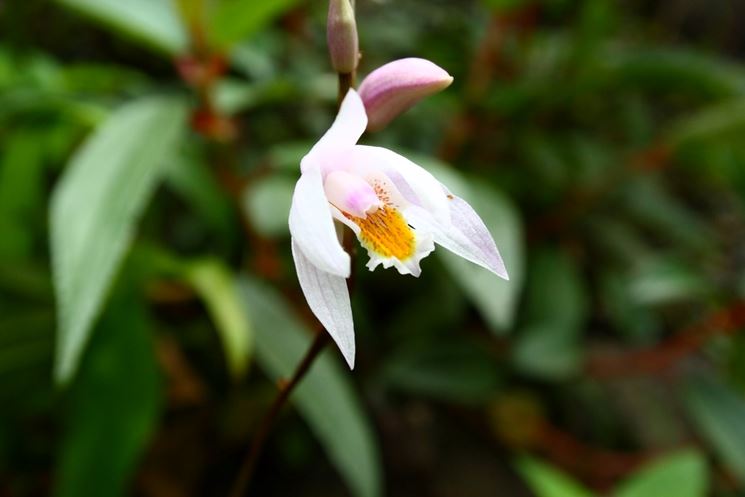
{"x": 257, "y": 445}
{"x": 346, "y": 81}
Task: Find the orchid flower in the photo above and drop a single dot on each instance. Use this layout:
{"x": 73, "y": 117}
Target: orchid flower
{"x": 397, "y": 210}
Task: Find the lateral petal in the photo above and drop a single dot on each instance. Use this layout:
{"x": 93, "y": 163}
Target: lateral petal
{"x": 466, "y": 235}
{"x": 328, "y": 298}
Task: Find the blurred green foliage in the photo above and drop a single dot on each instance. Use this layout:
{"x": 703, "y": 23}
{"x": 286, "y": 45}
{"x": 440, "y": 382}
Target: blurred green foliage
{"x": 148, "y": 151}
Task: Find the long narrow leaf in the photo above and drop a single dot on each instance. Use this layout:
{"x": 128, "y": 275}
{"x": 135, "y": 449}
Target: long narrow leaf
{"x": 95, "y": 208}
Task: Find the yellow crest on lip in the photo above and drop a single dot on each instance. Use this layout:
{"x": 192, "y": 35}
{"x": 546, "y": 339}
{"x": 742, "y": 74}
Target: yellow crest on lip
{"x": 386, "y": 233}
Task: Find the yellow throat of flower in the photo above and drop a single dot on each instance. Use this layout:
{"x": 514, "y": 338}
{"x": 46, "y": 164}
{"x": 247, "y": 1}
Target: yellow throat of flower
{"x": 386, "y": 233}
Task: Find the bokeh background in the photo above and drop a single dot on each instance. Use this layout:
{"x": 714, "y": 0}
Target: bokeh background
{"x": 148, "y": 302}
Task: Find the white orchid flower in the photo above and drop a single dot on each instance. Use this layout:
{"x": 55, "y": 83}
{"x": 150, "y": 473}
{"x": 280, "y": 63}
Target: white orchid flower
{"x": 397, "y": 209}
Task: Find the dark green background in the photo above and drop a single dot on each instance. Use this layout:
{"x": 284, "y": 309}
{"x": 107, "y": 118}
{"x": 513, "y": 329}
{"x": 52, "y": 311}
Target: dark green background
{"x": 603, "y": 143}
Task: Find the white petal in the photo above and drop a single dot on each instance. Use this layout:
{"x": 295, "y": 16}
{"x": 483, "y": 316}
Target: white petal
{"x": 408, "y": 177}
{"x": 312, "y": 226}
{"x": 466, "y": 236}
{"x": 328, "y": 298}
{"x": 468, "y": 222}
{"x": 347, "y": 128}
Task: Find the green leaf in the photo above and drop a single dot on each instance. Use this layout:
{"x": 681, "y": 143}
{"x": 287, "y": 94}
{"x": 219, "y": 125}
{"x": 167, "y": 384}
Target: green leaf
{"x": 718, "y": 413}
{"x": 267, "y": 203}
{"x": 233, "y": 96}
{"x": 95, "y": 208}
{"x": 556, "y": 292}
{"x": 114, "y": 406}
{"x": 672, "y": 69}
{"x": 548, "y": 351}
{"x": 503, "y": 5}
{"x": 494, "y": 298}
{"x": 679, "y": 475}
{"x": 651, "y": 203}
{"x": 549, "y": 345}
{"x": 325, "y": 397}
{"x": 547, "y": 481}
{"x": 722, "y": 119}
{"x": 26, "y": 345}
{"x": 188, "y": 176}
{"x": 458, "y": 371}
{"x": 21, "y": 189}
{"x": 215, "y": 284}
{"x": 234, "y": 20}
{"x": 153, "y": 22}
{"x": 661, "y": 280}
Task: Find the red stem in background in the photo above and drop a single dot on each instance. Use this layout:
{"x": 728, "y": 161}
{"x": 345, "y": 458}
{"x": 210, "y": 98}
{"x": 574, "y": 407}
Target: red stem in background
{"x": 671, "y": 351}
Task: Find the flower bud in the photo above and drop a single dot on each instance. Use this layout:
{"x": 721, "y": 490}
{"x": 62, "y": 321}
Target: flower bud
{"x": 395, "y": 87}
{"x": 341, "y": 34}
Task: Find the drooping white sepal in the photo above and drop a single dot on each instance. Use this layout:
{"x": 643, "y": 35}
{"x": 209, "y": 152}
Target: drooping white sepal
{"x": 328, "y": 298}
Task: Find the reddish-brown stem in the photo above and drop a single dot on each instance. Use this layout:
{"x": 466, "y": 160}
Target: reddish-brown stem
{"x": 285, "y": 389}
{"x": 670, "y": 352}
{"x": 598, "y": 465}
{"x": 346, "y": 81}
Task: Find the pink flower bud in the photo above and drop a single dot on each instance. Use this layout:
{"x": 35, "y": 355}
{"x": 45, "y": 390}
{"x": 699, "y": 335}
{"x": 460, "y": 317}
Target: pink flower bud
{"x": 393, "y": 88}
{"x": 341, "y": 34}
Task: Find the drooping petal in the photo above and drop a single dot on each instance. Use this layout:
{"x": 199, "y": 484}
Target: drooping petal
{"x": 351, "y": 193}
{"x": 466, "y": 236}
{"x": 395, "y": 87}
{"x": 347, "y": 128}
{"x": 312, "y": 225}
{"x": 328, "y": 298}
{"x": 414, "y": 182}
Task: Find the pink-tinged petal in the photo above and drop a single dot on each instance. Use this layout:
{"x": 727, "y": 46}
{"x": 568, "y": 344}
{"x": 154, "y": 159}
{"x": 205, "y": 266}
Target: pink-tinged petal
{"x": 328, "y": 298}
{"x": 415, "y": 183}
{"x": 312, "y": 225}
{"x": 341, "y": 34}
{"x": 351, "y": 194}
{"x": 468, "y": 222}
{"x": 347, "y": 128}
{"x": 395, "y": 87}
{"x": 466, "y": 236}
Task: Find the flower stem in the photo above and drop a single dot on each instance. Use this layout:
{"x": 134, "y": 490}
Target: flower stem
{"x": 285, "y": 389}
{"x": 346, "y": 81}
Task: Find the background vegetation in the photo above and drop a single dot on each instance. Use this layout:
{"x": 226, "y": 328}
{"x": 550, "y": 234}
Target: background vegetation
{"x": 148, "y": 151}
